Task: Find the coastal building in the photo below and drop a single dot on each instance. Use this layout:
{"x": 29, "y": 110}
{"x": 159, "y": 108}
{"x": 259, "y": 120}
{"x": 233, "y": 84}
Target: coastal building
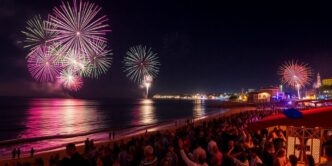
{"x": 266, "y": 94}
{"x": 327, "y": 82}
{"x": 324, "y": 91}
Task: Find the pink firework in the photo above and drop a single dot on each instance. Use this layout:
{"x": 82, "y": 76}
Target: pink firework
{"x": 70, "y": 80}
{"x": 294, "y": 74}
{"x": 42, "y": 65}
{"x": 78, "y": 24}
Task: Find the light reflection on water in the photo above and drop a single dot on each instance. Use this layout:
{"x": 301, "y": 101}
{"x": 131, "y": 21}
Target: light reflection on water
{"x": 54, "y": 117}
{"x": 59, "y": 116}
{"x": 199, "y": 108}
{"x": 146, "y": 112}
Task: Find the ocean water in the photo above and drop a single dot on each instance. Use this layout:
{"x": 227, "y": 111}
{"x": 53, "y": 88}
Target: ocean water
{"x": 46, "y": 124}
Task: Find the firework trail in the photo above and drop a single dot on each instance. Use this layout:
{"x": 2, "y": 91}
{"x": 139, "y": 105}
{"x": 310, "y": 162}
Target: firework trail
{"x": 147, "y": 81}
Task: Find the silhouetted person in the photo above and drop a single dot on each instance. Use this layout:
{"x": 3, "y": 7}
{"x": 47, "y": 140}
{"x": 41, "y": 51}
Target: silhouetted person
{"x": 91, "y": 144}
{"x": 18, "y": 152}
{"x": 113, "y": 133}
{"x": 51, "y": 161}
{"x": 14, "y": 153}
{"x": 74, "y": 158}
{"x": 310, "y": 160}
{"x": 293, "y": 160}
{"x": 32, "y": 151}
{"x": 86, "y": 145}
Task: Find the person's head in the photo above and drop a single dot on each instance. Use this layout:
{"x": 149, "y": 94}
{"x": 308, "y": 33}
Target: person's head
{"x": 170, "y": 147}
{"x": 278, "y": 132}
{"x": 148, "y": 151}
{"x": 231, "y": 143}
{"x": 270, "y": 148}
{"x": 186, "y": 145}
{"x": 242, "y": 144}
{"x": 71, "y": 149}
{"x": 258, "y": 132}
{"x": 164, "y": 162}
{"x": 212, "y": 147}
{"x": 293, "y": 160}
{"x": 199, "y": 155}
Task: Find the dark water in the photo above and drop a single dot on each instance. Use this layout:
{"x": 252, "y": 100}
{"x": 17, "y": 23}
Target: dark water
{"x": 24, "y": 119}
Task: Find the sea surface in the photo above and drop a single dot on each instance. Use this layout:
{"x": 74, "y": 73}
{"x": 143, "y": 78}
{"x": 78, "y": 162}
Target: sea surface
{"x": 46, "y": 124}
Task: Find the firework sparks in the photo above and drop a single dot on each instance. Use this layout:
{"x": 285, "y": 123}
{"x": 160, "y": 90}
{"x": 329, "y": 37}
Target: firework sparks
{"x": 141, "y": 62}
{"x": 70, "y": 80}
{"x": 36, "y": 33}
{"x": 295, "y": 75}
{"x": 99, "y": 61}
{"x": 75, "y": 62}
{"x": 43, "y": 66}
{"x": 77, "y": 25}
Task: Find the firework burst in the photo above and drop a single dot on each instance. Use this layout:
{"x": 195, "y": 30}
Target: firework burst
{"x": 43, "y": 66}
{"x": 78, "y": 24}
{"x": 70, "y": 45}
{"x": 141, "y": 62}
{"x": 70, "y": 80}
{"x": 295, "y": 75}
{"x": 99, "y": 61}
{"x": 36, "y": 33}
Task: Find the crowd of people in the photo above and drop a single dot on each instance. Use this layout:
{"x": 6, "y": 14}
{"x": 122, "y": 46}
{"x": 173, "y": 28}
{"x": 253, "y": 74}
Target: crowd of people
{"x": 222, "y": 141}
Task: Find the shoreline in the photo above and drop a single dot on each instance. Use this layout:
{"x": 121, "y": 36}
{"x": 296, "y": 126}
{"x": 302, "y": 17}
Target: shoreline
{"x": 125, "y": 135}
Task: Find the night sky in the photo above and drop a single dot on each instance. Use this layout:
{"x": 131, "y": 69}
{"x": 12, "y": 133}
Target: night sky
{"x": 204, "y": 46}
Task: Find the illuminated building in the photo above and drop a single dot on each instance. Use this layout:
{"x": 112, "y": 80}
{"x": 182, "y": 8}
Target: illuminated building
{"x": 327, "y": 82}
{"x": 267, "y": 94}
{"x": 325, "y": 91}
